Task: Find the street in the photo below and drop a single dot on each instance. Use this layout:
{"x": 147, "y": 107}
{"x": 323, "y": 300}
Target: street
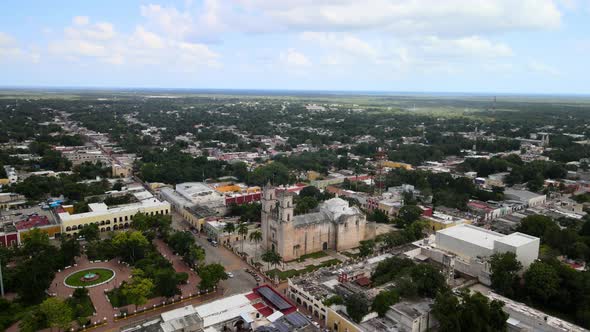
{"x": 241, "y": 282}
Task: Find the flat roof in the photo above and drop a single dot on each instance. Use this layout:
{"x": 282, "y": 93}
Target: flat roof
{"x": 472, "y": 234}
{"x": 224, "y": 309}
{"x": 178, "y": 313}
{"x": 517, "y": 239}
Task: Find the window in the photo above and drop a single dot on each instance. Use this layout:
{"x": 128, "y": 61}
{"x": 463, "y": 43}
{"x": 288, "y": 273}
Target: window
{"x": 125, "y": 218}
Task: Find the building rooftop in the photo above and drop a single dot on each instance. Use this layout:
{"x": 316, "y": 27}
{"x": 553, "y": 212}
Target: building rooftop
{"x": 475, "y": 235}
{"x": 517, "y": 239}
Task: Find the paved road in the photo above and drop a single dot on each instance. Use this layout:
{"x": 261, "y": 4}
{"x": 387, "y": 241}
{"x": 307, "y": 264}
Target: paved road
{"x": 241, "y": 282}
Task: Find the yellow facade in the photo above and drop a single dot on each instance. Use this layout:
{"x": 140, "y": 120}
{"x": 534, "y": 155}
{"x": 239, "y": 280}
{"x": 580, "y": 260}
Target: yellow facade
{"x": 336, "y": 322}
{"x": 111, "y": 219}
{"x": 50, "y": 230}
{"x": 436, "y": 225}
{"x": 4, "y": 181}
{"x": 395, "y": 164}
{"x": 196, "y": 222}
{"x": 313, "y": 175}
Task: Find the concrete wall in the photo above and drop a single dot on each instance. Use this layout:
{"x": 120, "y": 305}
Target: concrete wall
{"x": 108, "y": 220}
{"x": 461, "y": 248}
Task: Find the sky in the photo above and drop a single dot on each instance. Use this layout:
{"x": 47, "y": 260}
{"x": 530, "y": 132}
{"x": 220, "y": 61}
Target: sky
{"x": 503, "y": 46}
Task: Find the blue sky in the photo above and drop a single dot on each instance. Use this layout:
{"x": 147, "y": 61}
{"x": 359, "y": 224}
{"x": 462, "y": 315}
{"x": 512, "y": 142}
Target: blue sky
{"x": 505, "y": 46}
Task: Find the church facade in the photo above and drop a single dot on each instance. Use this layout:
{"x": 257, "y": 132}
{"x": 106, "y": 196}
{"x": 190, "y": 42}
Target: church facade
{"x": 336, "y": 226}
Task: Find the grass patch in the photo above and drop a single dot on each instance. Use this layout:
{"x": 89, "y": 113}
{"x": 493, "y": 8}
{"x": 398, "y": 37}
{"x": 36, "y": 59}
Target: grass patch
{"x": 76, "y": 278}
{"x": 350, "y": 255}
{"x": 117, "y": 299}
{"x": 293, "y": 273}
{"x": 313, "y": 255}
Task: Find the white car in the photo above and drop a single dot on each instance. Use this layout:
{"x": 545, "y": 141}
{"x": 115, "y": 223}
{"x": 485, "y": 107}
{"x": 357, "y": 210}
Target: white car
{"x": 230, "y": 275}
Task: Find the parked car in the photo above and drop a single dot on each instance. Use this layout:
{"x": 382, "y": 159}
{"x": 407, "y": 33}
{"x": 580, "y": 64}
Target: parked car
{"x": 230, "y": 275}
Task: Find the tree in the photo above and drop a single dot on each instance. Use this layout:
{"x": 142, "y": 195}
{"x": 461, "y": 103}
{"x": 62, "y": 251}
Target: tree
{"x": 505, "y": 268}
{"x": 536, "y": 183}
{"x": 357, "y": 307}
{"x": 33, "y": 320}
{"x": 379, "y": 216}
{"x": 310, "y": 191}
{"x": 366, "y": 248}
{"x": 471, "y": 312}
{"x": 446, "y": 309}
{"x": 229, "y": 228}
{"x": 57, "y": 313}
{"x": 90, "y": 232}
{"x": 541, "y": 282}
{"x": 130, "y": 245}
{"x": 195, "y": 256}
{"x": 256, "y": 237}
{"x": 305, "y": 204}
{"x": 537, "y": 225}
{"x": 428, "y": 280}
{"x": 166, "y": 283}
{"x": 181, "y": 242}
{"x": 409, "y": 214}
{"x": 242, "y": 230}
{"x": 272, "y": 258}
{"x": 384, "y": 300}
{"x": 138, "y": 290}
{"x": 69, "y": 250}
{"x": 210, "y": 275}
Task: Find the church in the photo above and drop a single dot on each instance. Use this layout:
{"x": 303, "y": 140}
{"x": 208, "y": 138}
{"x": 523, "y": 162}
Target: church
{"x": 335, "y": 226}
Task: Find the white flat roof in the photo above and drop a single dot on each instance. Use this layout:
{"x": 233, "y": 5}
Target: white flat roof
{"x": 100, "y": 209}
{"x": 178, "y": 313}
{"x": 517, "y": 239}
{"x": 472, "y": 234}
{"x": 224, "y": 309}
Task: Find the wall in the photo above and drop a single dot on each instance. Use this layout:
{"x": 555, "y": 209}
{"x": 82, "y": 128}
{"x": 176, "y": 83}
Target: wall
{"x": 338, "y": 323}
{"x": 108, "y": 220}
{"x": 459, "y": 247}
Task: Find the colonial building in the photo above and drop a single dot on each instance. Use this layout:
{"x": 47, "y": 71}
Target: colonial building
{"x": 335, "y": 226}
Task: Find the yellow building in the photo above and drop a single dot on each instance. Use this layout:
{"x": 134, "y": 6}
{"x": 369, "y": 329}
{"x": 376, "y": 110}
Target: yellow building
{"x": 336, "y": 322}
{"x": 439, "y": 221}
{"x": 4, "y": 181}
{"x": 111, "y": 219}
{"x": 395, "y": 164}
{"x": 313, "y": 175}
{"x": 197, "y": 215}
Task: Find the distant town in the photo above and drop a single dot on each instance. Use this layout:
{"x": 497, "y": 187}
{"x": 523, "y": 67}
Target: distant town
{"x": 147, "y": 211}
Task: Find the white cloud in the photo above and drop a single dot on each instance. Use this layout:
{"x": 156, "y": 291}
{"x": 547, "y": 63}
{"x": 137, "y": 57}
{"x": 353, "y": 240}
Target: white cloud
{"x": 457, "y": 17}
{"x": 10, "y": 50}
{"x": 98, "y": 31}
{"x": 81, "y": 20}
{"x": 345, "y": 42}
{"x": 147, "y": 38}
{"x": 473, "y": 46}
{"x": 100, "y": 43}
{"x": 293, "y": 58}
{"x": 542, "y": 68}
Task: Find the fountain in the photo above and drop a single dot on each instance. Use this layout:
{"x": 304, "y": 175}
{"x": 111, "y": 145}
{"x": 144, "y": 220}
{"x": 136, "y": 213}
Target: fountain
{"x": 90, "y": 276}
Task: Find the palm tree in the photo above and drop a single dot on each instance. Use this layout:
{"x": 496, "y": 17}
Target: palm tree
{"x": 272, "y": 257}
{"x": 256, "y": 237}
{"x": 229, "y": 229}
{"x": 242, "y": 231}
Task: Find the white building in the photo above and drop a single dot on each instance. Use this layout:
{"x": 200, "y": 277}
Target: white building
{"x": 531, "y": 199}
{"x": 466, "y": 249}
{"x": 200, "y": 193}
{"x": 469, "y": 241}
{"x": 115, "y": 218}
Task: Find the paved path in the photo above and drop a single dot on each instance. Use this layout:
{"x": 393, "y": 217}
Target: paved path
{"x": 179, "y": 266}
{"x": 97, "y": 294}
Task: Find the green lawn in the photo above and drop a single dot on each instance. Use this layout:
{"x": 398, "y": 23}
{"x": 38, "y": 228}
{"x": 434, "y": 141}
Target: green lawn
{"x": 75, "y": 279}
{"x": 313, "y": 255}
{"x": 293, "y": 273}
